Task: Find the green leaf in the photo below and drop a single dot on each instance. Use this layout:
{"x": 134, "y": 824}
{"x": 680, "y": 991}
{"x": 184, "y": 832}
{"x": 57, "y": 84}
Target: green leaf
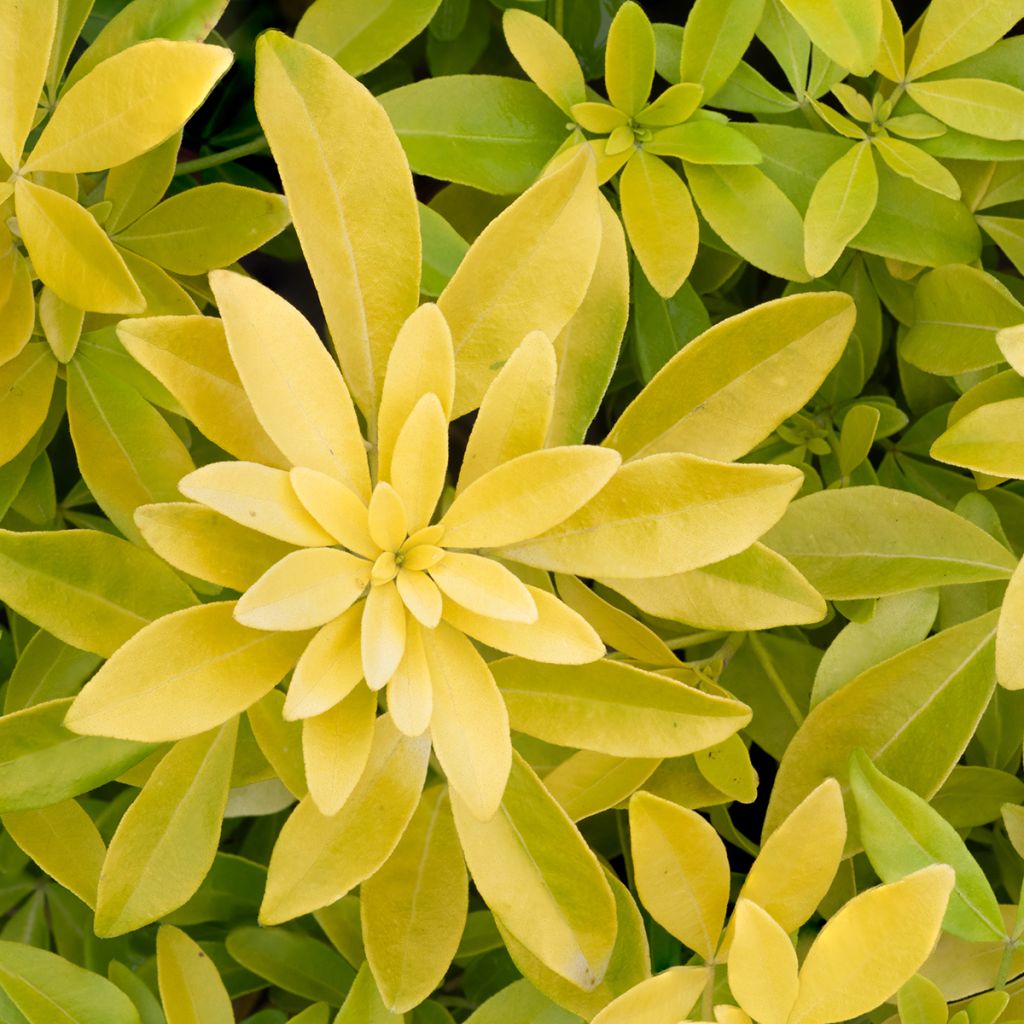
{"x": 522, "y": 1003}
{"x": 662, "y": 327}
{"x": 704, "y": 142}
{"x": 902, "y": 834}
{"x": 849, "y": 31}
{"x": 89, "y": 589}
{"x": 47, "y": 669}
{"x": 364, "y": 1004}
{"x": 166, "y": 841}
{"x": 913, "y": 715}
{"x": 869, "y": 541}
{"x": 495, "y": 134}
{"x": 360, "y": 38}
{"x": 443, "y": 250}
{"x": 993, "y": 110}
{"x": 43, "y": 763}
{"x": 715, "y": 38}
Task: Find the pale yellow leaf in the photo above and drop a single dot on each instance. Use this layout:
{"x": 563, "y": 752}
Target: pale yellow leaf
{"x": 387, "y": 520}
{"x": 1010, "y": 634}
{"x": 26, "y": 385}
{"x": 336, "y": 508}
{"x": 190, "y": 987}
{"x": 383, "y": 634}
{"x": 978, "y": 106}
{"x": 952, "y": 30}
{"x": 658, "y": 1000}
{"x": 545, "y": 57}
{"x": 410, "y": 692}
{"x": 762, "y": 965}
{"x": 329, "y": 668}
{"x": 60, "y": 321}
{"x": 18, "y": 307}
{"x": 26, "y": 34}
{"x": 420, "y": 460}
{"x": 849, "y": 31}
{"x": 485, "y": 586}
{"x": 335, "y": 748}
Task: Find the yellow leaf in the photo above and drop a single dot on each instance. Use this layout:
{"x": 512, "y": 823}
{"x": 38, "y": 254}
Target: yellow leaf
{"x": 545, "y": 57}
{"x": 952, "y": 30}
{"x": 469, "y": 723}
{"x": 166, "y": 841}
{"x": 383, "y": 634}
{"x": 317, "y": 859}
{"x": 914, "y": 163}
{"x": 849, "y": 31}
{"x": 516, "y": 409}
{"x": 363, "y": 1004}
{"x": 305, "y": 589}
{"x": 279, "y": 741}
{"x": 189, "y": 356}
{"x": 871, "y": 947}
{"x": 26, "y": 384}
{"x": 203, "y": 543}
{"x": 629, "y": 59}
{"x": 1010, "y": 634}
{"x": 183, "y": 674}
{"x": 891, "y": 61}
{"x": 329, "y": 668}
{"x": 484, "y": 585}
{"x": 528, "y": 270}
{"x": 335, "y": 748}
{"x": 190, "y": 987}
{"x": 762, "y": 965}
{"x": 61, "y": 323}
{"x": 540, "y": 879}
{"x": 17, "y": 310}
{"x": 559, "y": 635}
{"x": 410, "y": 692}
{"x": 63, "y": 840}
{"x": 294, "y": 386}
{"x": 660, "y": 220}
{"x": 421, "y": 363}
{"x": 256, "y": 496}
{"x": 336, "y": 509}
{"x": 658, "y": 1000}
{"x": 420, "y": 461}
{"x": 352, "y": 202}
{"x": 526, "y": 496}
{"x": 587, "y": 783}
{"x": 681, "y": 870}
{"x": 71, "y": 254}
{"x": 978, "y": 106}
{"x": 26, "y": 35}
{"x": 134, "y": 187}
{"x": 128, "y": 104}
{"x": 663, "y": 514}
{"x": 413, "y": 909}
{"x": 387, "y": 520}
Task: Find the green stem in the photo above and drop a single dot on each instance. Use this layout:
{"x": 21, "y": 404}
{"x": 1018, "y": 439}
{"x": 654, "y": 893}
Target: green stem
{"x": 560, "y": 17}
{"x": 778, "y": 685}
{"x": 1004, "y": 965}
{"x": 707, "y": 1002}
{"x": 225, "y": 156}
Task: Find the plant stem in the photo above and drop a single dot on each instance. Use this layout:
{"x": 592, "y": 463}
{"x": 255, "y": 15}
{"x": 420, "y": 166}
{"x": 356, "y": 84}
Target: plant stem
{"x": 225, "y": 156}
{"x": 1004, "y": 965}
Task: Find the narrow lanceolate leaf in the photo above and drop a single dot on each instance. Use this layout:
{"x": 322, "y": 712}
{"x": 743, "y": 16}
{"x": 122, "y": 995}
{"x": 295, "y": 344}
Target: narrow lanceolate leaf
{"x": 295, "y": 388}
{"x": 23, "y": 70}
{"x": 190, "y": 987}
{"x": 681, "y": 869}
{"x": 614, "y": 708}
{"x": 841, "y": 204}
{"x": 849, "y": 31}
{"x": 43, "y": 763}
{"x": 26, "y": 386}
{"x": 871, "y": 541}
{"x": 71, "y": 254}
{"x": 978, "y": 106}
{"x": 714, "y": 40}
{"x": 664, "y": 514}
{"x": 89, "y": 589}
{"x": 528, "y": 270}
{"x": 853, "y": 966}
{"x": 659, "y": 217}
{"x": 317, "y": 860}
{"x": 901, "y": 833}
{"x": 952, "y": 30}
{"x": 913, "y": 715}
{"x": 541, "y": 880}
{"x": 166, "y": 841}
{"x": 693, "y": 403}
{"x": 351, "y": 199}
{"x": 413, "y": 909}
{"x": 46, "y": 987}
{"x": 546, "y": 57}
{"x": 184, "y": 674}
{"x": 1010, "y": 634}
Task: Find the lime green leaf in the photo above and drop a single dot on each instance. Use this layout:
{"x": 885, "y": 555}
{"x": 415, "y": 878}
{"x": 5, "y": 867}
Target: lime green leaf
{"x": 127, "y": 105}
{"x": 528, "y": 270}
{"x": 364, "y": 1004}
{"x": 295, "y": 962}
{"x": 190, "y": 987}
{"x": 166, "y": 841}
{"x": 351, "y": 199}
{"x": 61, "y": 323}
{"x": 360, "y": 38}
{"x": 869, "y": 541}
{"x": 546, "y": 57}
{"x": 134, "y": 187}
{"x": 849, "y": 31}
{"x": 914, "y": 163}
{"x": 704, "y": 142}
{"x": 90, "y": 589}
{"x": 902, "y": 834}
{"x": 913, "y": 715}
{"x": 681, "y": 870}
{"x": 317, "y": 860}
{"x": 657, "y": 516}
{"x": 443, "y": 251}
{"x": 184, "y": 674}
{"x": 47, "y": 669}
{"x": 841, "y": 204}
{"x": 614, "y": 708}
{"x": 993, "y": 110}
{"x": 542, "y": 881}
{"x": 1008, "y": 234}
{"x": 26, "y": 384}
{"x": 24, "y": 70}
{"x": 659, "y": 217}
{"x": 71, "y": 254}
{"x": 715, "y": 38}
{"x": 495, "y": 134}
{"x": 921, "y": 1001}
{"x": 414, "y": 908}
{"x": 693, "y": 403}
{"x": 953, "y": 30}
{"x": 44, "y": 764}
{"x": 206, "y": 227}
{"x": 629, "y": 59}
{"x": 48, "y": 989}
{"x": 986, "y": 440}
{"x": 522, "y": 1003}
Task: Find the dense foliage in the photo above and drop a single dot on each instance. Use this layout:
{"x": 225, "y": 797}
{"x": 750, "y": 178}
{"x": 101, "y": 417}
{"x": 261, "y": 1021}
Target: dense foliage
{"x": 510, "y": 511}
